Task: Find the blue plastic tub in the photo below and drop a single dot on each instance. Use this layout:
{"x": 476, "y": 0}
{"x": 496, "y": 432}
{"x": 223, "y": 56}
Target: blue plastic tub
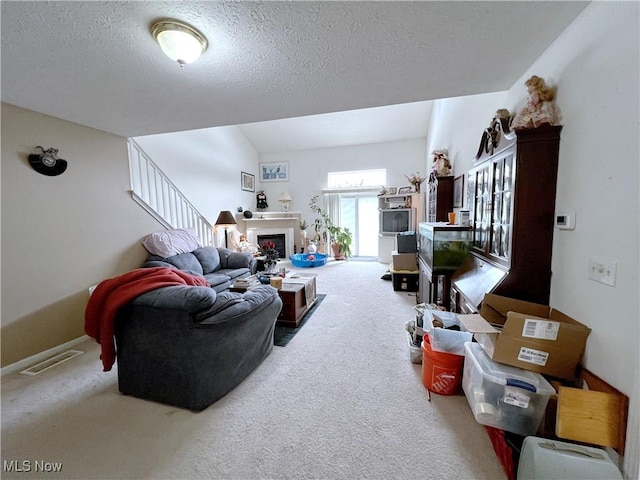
{"x": 302, "y": 259}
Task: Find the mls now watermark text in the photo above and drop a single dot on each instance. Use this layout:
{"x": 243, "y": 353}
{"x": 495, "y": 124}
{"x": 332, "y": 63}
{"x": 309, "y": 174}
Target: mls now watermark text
{"x": 31, "y": 466}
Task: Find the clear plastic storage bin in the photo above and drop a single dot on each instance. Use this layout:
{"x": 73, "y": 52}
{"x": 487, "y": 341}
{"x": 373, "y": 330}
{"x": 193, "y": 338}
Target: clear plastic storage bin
{"x": 443, "y": 339}
{"x": 502, "y": 396}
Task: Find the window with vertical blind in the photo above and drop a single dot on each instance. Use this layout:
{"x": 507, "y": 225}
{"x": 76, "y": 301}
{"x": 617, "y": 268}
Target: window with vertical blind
{"x": 351, "y": 200}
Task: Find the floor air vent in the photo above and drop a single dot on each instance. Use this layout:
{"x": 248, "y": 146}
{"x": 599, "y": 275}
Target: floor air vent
{"x": 51, "y": 362}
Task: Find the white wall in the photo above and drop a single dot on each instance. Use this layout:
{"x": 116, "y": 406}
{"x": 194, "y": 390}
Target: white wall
{"x": 309, "y": 169}
{"x": 61, "y": 234}
{"x": 457, "y": 124}
{"x": 595, "y": 64}
{"x": 206, "y": 165}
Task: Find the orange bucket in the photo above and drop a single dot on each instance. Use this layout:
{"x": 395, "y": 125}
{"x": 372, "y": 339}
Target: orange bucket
{"x": 441, "y": 371}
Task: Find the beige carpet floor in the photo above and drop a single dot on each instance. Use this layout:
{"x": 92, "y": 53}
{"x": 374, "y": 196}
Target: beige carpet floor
{"x": 341, "y": 401}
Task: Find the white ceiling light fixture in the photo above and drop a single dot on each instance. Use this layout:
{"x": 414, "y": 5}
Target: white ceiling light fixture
{"x": 181, "y": 42}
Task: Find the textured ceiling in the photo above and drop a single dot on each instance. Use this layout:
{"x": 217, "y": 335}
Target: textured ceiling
{"x": 96, "y": 64}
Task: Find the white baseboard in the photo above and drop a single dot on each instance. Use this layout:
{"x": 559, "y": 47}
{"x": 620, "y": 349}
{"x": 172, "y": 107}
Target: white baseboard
{"x": 38, "y": 357}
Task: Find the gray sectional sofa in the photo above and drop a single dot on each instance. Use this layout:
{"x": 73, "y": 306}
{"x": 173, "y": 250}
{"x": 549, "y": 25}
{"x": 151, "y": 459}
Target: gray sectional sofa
{"x": 220, "y": 266}
{"x": 188, "y": 346}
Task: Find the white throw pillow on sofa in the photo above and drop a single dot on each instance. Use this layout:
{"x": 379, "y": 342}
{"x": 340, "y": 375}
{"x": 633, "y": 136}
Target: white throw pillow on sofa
{"x": 171, "y": 242}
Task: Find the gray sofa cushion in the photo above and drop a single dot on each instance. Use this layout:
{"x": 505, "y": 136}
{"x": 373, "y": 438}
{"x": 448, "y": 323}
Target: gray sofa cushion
{"x": 186, "y": 262}
{"x": 217, "y": 278}
{"x": 235, "y": 273}
{"x": 209, "y": 258}
{"x": 157, "y": 263}
{"x": 233, "y": 260}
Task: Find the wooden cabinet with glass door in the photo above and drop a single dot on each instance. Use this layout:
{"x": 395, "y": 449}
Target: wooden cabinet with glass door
{"x": 492, "y": 185}
{"x": 512, "y": 201}
{"x": 439, "y": 198}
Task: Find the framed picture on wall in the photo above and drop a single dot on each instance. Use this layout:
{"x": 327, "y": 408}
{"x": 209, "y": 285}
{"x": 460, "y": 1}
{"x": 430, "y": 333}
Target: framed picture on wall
{"x": 247, "y": 182}
{"x": 274, "y": 172}
{"x": 458, "y": 191}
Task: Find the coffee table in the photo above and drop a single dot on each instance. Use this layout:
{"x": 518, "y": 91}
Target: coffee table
{"x": 298, "y": 294}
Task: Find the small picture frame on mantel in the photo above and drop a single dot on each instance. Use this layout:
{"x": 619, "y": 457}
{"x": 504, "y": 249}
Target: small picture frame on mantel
{"x": 458, "y": 191}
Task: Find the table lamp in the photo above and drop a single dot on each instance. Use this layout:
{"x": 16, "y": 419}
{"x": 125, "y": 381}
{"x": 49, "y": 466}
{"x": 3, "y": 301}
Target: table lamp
{"x": 284, "y": 199}
{"x": 225, "y": 220}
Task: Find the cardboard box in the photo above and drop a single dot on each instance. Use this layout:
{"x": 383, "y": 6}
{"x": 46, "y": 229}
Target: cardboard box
{"x": 404, "y": 261}
{"x": 533, "y": 337}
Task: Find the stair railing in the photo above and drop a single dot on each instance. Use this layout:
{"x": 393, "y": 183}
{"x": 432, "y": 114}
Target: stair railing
{"x": 153, "y": 190}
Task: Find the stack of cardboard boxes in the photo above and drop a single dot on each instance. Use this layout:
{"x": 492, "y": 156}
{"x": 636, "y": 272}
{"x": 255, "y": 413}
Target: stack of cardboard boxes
{"x": 519, "y": 340}
{"x": 404, "y": 271}
{"x": 404, "y": 263}
{"x": 517, "y": 343}
{"x": 528, "y": 335}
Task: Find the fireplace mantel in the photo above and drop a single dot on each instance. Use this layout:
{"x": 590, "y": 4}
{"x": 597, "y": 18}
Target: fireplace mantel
{"x": 258, "y": 216}
{"x": 269, "y": 219}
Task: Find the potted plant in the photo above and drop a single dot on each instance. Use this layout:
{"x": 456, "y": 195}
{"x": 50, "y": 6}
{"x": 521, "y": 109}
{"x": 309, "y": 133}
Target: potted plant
{"x": 268, "y": 250}
{"x": 340, "y": 237}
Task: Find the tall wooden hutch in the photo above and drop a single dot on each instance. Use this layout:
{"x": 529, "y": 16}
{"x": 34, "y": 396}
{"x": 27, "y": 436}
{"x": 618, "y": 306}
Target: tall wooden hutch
{"x": 511, "y": 194}
{"x": 439, "y": 198}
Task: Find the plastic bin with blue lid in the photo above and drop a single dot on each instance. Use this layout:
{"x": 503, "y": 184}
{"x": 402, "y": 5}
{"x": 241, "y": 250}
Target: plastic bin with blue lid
{"x": 503, "y": 396}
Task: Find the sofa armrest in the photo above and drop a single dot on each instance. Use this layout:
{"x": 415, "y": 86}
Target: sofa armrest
{"x": 230, "y": 305}
{"x": 207, "y": 306}
{"x": 189, "y": 298}
{"x": 233, "y": 260}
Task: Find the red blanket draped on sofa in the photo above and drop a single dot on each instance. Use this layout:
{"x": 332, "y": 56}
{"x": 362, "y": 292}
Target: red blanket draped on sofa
{"x": 116, "y": 292}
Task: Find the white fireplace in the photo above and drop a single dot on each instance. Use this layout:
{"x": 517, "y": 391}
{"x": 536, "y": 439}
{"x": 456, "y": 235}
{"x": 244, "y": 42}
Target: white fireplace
{"x": 272, "y": 223}
{"x": 254, "y": 233}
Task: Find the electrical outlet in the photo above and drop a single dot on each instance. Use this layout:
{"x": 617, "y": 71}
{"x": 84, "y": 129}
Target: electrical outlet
{"x": 603, "y": 272}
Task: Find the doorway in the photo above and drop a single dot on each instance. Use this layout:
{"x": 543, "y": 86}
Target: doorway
{"x": 359, "y": 213}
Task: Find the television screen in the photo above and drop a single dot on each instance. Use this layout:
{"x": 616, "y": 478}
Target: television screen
{"x": 395, "y": 220}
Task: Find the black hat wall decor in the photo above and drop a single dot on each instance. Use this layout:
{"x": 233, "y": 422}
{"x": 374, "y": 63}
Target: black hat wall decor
{"x": 47, "y": 163}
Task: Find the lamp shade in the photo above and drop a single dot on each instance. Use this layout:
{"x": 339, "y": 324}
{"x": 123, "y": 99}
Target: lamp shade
{"x": 225, "y": 219}
{"x": 179, "y": 41}
{"x": 285, "y": 197}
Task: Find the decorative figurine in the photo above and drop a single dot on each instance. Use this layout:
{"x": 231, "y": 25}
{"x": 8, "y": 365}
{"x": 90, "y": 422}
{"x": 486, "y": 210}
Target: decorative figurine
{"x": 261, "y": 198}
{"x": 47, "y": 163}
{"x": 493, "y": 134}
{"x": 441, "y": 163}
{"x": 540, "y": 109}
